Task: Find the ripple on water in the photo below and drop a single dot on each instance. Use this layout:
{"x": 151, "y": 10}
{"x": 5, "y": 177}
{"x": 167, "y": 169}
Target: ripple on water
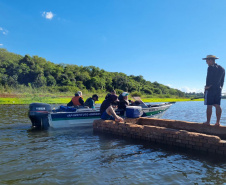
{"x": 78, "y": 156}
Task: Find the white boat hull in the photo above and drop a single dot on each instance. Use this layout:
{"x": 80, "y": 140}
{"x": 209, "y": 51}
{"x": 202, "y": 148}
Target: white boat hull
{"x": 43, "y": 117}
{"x": 83, "y": 118}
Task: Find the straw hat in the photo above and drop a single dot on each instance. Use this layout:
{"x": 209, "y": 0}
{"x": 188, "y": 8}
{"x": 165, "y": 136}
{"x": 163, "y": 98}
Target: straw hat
{"x": 210, "y": 56}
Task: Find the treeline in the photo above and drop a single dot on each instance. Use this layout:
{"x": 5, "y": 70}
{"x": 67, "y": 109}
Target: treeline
{"x": 36, "y": 72}
{"x": 194, "y": 95}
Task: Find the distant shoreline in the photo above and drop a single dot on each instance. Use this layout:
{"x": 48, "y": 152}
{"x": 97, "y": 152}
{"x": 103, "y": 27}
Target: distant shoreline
{"x": 26, "y": 100}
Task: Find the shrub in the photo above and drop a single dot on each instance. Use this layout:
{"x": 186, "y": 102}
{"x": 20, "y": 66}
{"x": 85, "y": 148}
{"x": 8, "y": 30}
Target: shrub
{"x": 135, "y": 93}
{"x": 149, "y": 96}
{"x": 167, "y": 96}
{"x": 92, "y": 89}
{"x": 67, "y": 89}
{"x": 157, "y": 91}
{"x": 148, "y": 91}
{"x": 161, "y": 96}
{"x": 119, "y": 91}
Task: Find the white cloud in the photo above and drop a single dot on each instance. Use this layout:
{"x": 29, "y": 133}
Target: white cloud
{"x": 48, "y": 15}
{"x": 3, "y": 31}
{"x": 188, "y": 89}
{"x": 1, "y": 44}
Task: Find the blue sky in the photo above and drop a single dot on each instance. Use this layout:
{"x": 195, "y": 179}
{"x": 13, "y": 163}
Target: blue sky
{"x": 162, "y": 40}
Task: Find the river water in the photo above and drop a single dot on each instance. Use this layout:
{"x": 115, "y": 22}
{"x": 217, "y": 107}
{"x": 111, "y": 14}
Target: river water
{"x": 79, "y": 156}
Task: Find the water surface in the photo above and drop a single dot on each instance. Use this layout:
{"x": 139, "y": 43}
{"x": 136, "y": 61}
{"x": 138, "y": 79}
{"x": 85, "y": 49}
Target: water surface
{"x": 79, "y": 156}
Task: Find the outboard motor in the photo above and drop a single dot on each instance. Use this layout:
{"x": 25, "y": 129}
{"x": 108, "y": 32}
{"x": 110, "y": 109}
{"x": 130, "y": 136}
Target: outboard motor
{"x": 38, "y": 114}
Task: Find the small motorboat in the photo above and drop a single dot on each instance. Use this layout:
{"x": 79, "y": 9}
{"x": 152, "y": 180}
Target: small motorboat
{"x": 43, "y": 116}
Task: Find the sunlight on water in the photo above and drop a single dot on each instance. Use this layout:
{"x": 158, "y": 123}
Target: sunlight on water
{"x": 79, "y": 156}
{"x": 194, "y": 112}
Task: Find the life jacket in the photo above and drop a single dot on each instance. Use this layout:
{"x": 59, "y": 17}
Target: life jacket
{"x": 75, "y": 100}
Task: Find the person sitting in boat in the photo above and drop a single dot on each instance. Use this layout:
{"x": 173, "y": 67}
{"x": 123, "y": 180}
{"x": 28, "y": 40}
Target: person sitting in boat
{"x": 77, "y": 100}
{"x": 113, "y": 92}
{"x": 91, "y": 101}
{"x": 123, "y": 101}
{"x": 135, "y": 103}
{"x": 106, "y": 109}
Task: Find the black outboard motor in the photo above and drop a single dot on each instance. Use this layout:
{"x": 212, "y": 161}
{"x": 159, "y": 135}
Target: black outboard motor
{"x": 38, "y": 114}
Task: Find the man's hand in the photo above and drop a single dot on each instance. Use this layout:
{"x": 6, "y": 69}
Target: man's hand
{"x": 207, "y": 87}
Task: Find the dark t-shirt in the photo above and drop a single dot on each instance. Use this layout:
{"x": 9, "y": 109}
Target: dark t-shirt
{"x": 122, "y": 104}
{"x": 89, "y": 102}
{"x": 106, "y": 103}
{"x": 215, "y": 77}
{"x": 108, "y": 96}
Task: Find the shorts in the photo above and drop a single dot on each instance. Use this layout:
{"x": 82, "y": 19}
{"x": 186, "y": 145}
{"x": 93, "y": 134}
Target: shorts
{"x": 106, "y": 116}
{"x": 212, "y": 97}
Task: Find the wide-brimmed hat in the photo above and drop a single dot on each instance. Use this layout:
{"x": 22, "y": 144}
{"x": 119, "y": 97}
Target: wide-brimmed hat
{"x": 210, "y": 56}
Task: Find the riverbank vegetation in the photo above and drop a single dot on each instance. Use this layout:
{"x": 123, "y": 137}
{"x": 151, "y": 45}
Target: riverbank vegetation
{"x": 26, "y": 79}
{"x": 27, "y": 95}
{"x": 62, "y": 99}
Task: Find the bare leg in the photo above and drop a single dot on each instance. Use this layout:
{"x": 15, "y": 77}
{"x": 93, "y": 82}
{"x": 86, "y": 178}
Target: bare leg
{"x": 218, "y": 114}
{"x": 208, "y": 114}
{"x": 110, "y": 111}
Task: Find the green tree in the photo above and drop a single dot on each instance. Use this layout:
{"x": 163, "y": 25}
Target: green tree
{"x": 37, "y": 72}
{"x": 157, "y": 91}
{"x": 50, "y": 80}
{"x": 40, "y": 81}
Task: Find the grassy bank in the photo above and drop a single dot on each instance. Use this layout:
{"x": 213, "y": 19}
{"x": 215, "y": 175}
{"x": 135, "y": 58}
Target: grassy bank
{"x": 63, "y": 98}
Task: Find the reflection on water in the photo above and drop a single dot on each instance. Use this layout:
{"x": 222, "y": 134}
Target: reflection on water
{"x": 79, "y": 156}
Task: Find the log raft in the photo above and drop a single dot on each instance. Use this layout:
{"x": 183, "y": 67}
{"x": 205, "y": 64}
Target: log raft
{"x": 191, "y": 135}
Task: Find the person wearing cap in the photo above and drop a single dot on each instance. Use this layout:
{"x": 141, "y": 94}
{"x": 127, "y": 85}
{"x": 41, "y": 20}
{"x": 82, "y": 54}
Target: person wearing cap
{"x": 123, "y": 101}
{"x": 77, "y": 100}
{"x": 91, "y": 101}
{"x": 113, "y": 92}
{"x": 214, "y": 84}
{"x": 106, "y": 109}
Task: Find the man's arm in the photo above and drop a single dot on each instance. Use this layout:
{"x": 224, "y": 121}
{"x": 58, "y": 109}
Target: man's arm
{"x": 81, "y": 101}
{"x": 209, "y": 78}
{"x": 110, "y": 111}
{"x": 222, "y": 79}
{"x": 92, "y": 104}
{"x": 70, "y": 103}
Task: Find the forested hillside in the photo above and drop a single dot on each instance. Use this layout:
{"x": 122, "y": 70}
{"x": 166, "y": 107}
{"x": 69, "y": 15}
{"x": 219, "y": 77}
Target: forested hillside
{"x": 36, "y": 72}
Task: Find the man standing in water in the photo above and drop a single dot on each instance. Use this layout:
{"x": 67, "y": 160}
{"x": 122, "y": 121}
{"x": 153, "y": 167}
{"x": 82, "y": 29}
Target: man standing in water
{"x": 214, "y": 85}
